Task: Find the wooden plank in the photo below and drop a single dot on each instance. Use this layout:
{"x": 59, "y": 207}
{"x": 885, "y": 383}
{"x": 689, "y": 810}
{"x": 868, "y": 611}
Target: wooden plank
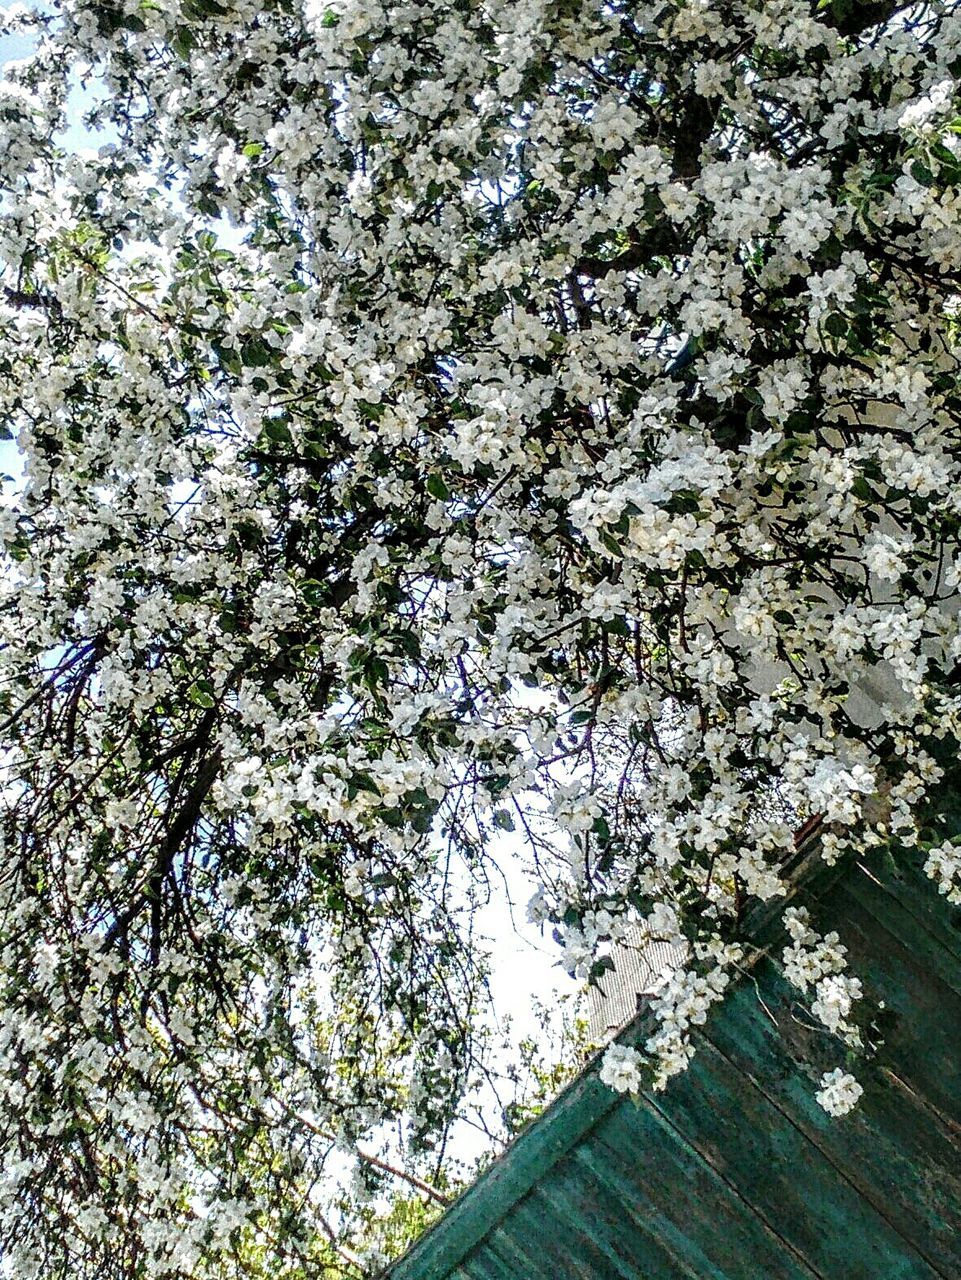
{"x": 666, "y": 1253}
{"x": 509, "y": 1253}
{"x": 901, "y": 877}
{"x": 560, "y": 1230}
{"x": 548, "y": 1246}
{"x": 707, "y": 1226}
{"x": 891, "y": 1148}
{"x": 485, "y": 1262}
{"x": 923, "y": 1014}
{"x": 784, "y": 1175}
{"x": 609, "y": 1214}
{"x": 488, "y": 1200}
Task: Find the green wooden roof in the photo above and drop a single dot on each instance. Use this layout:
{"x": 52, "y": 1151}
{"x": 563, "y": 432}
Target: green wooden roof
{"x": 735, "y": 1172}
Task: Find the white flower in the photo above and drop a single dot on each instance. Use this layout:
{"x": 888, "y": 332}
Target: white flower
{"x": 813, "y": 961}
{"x": 884, "y": 556}
{"x": 839, "y": 1092}
{"x": 538, "y": 908}
{"x": 621, "y": 1068}
{"x": 835, "y": 994}
{"x": 918, "y": 115}
{"x": 943, "y": 865}
{"x": 408, "y": 426}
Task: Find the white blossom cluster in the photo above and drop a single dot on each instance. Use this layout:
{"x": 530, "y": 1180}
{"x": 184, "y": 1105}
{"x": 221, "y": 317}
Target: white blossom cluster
{"x": 943, "y": 865}
{"x": 622, "y": 1068}
{"x": 839, "y": 1092}
{"x": 816, "y": 963}
{"x": 683, "y": 1003}
{"x": 441, "y": 421}
{"x": 813, "y": 961}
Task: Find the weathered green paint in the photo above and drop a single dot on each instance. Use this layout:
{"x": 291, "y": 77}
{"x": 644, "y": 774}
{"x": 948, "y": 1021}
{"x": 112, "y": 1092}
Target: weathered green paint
{"x": 735, "y": 1172}
{"x": 710, "y": 1230}
{"x": 891, "y": 1149}
{"x": 785, "y": 1176}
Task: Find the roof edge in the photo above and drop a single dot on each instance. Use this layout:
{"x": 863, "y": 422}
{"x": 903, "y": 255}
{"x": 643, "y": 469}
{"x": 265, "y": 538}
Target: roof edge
{"x": 577, "y": 1108}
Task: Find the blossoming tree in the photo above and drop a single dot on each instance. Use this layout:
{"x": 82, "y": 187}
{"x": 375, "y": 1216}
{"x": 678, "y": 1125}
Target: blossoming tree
{"x": 442, "y": 419}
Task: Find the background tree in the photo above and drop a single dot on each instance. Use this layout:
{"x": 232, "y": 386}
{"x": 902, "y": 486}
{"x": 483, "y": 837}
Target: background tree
{"x": 440, "y": 419}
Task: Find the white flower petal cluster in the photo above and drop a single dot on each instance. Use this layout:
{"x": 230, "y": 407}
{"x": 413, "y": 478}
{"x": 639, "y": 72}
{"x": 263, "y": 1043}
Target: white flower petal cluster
{"x": 683, "y": 1002}
{"x": 839, "y": 1092}
{"x": 813, "y": 961}
{"x": 622, "y": 1068}
{"x": 943, "y": 865}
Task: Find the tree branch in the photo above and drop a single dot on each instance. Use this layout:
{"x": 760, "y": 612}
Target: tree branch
{"x": 851, "y": 19}
{"x": 376, "y": 1161}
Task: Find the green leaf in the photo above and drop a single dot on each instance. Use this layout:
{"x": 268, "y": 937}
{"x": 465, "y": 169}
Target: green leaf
{"x": 229, "y": 359}
{"x": 422, "y": 820}
{"x": 201, "y": 693}
{"x": 255, "y": 354}
{"x": 276, "y": 429}
{"x": 437, "y": 488}
{"x": 204, "y": 9}
{"x": 361, "y": 782}
{"x": 922, "y": 174}
{"x": 183, "y": 43}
